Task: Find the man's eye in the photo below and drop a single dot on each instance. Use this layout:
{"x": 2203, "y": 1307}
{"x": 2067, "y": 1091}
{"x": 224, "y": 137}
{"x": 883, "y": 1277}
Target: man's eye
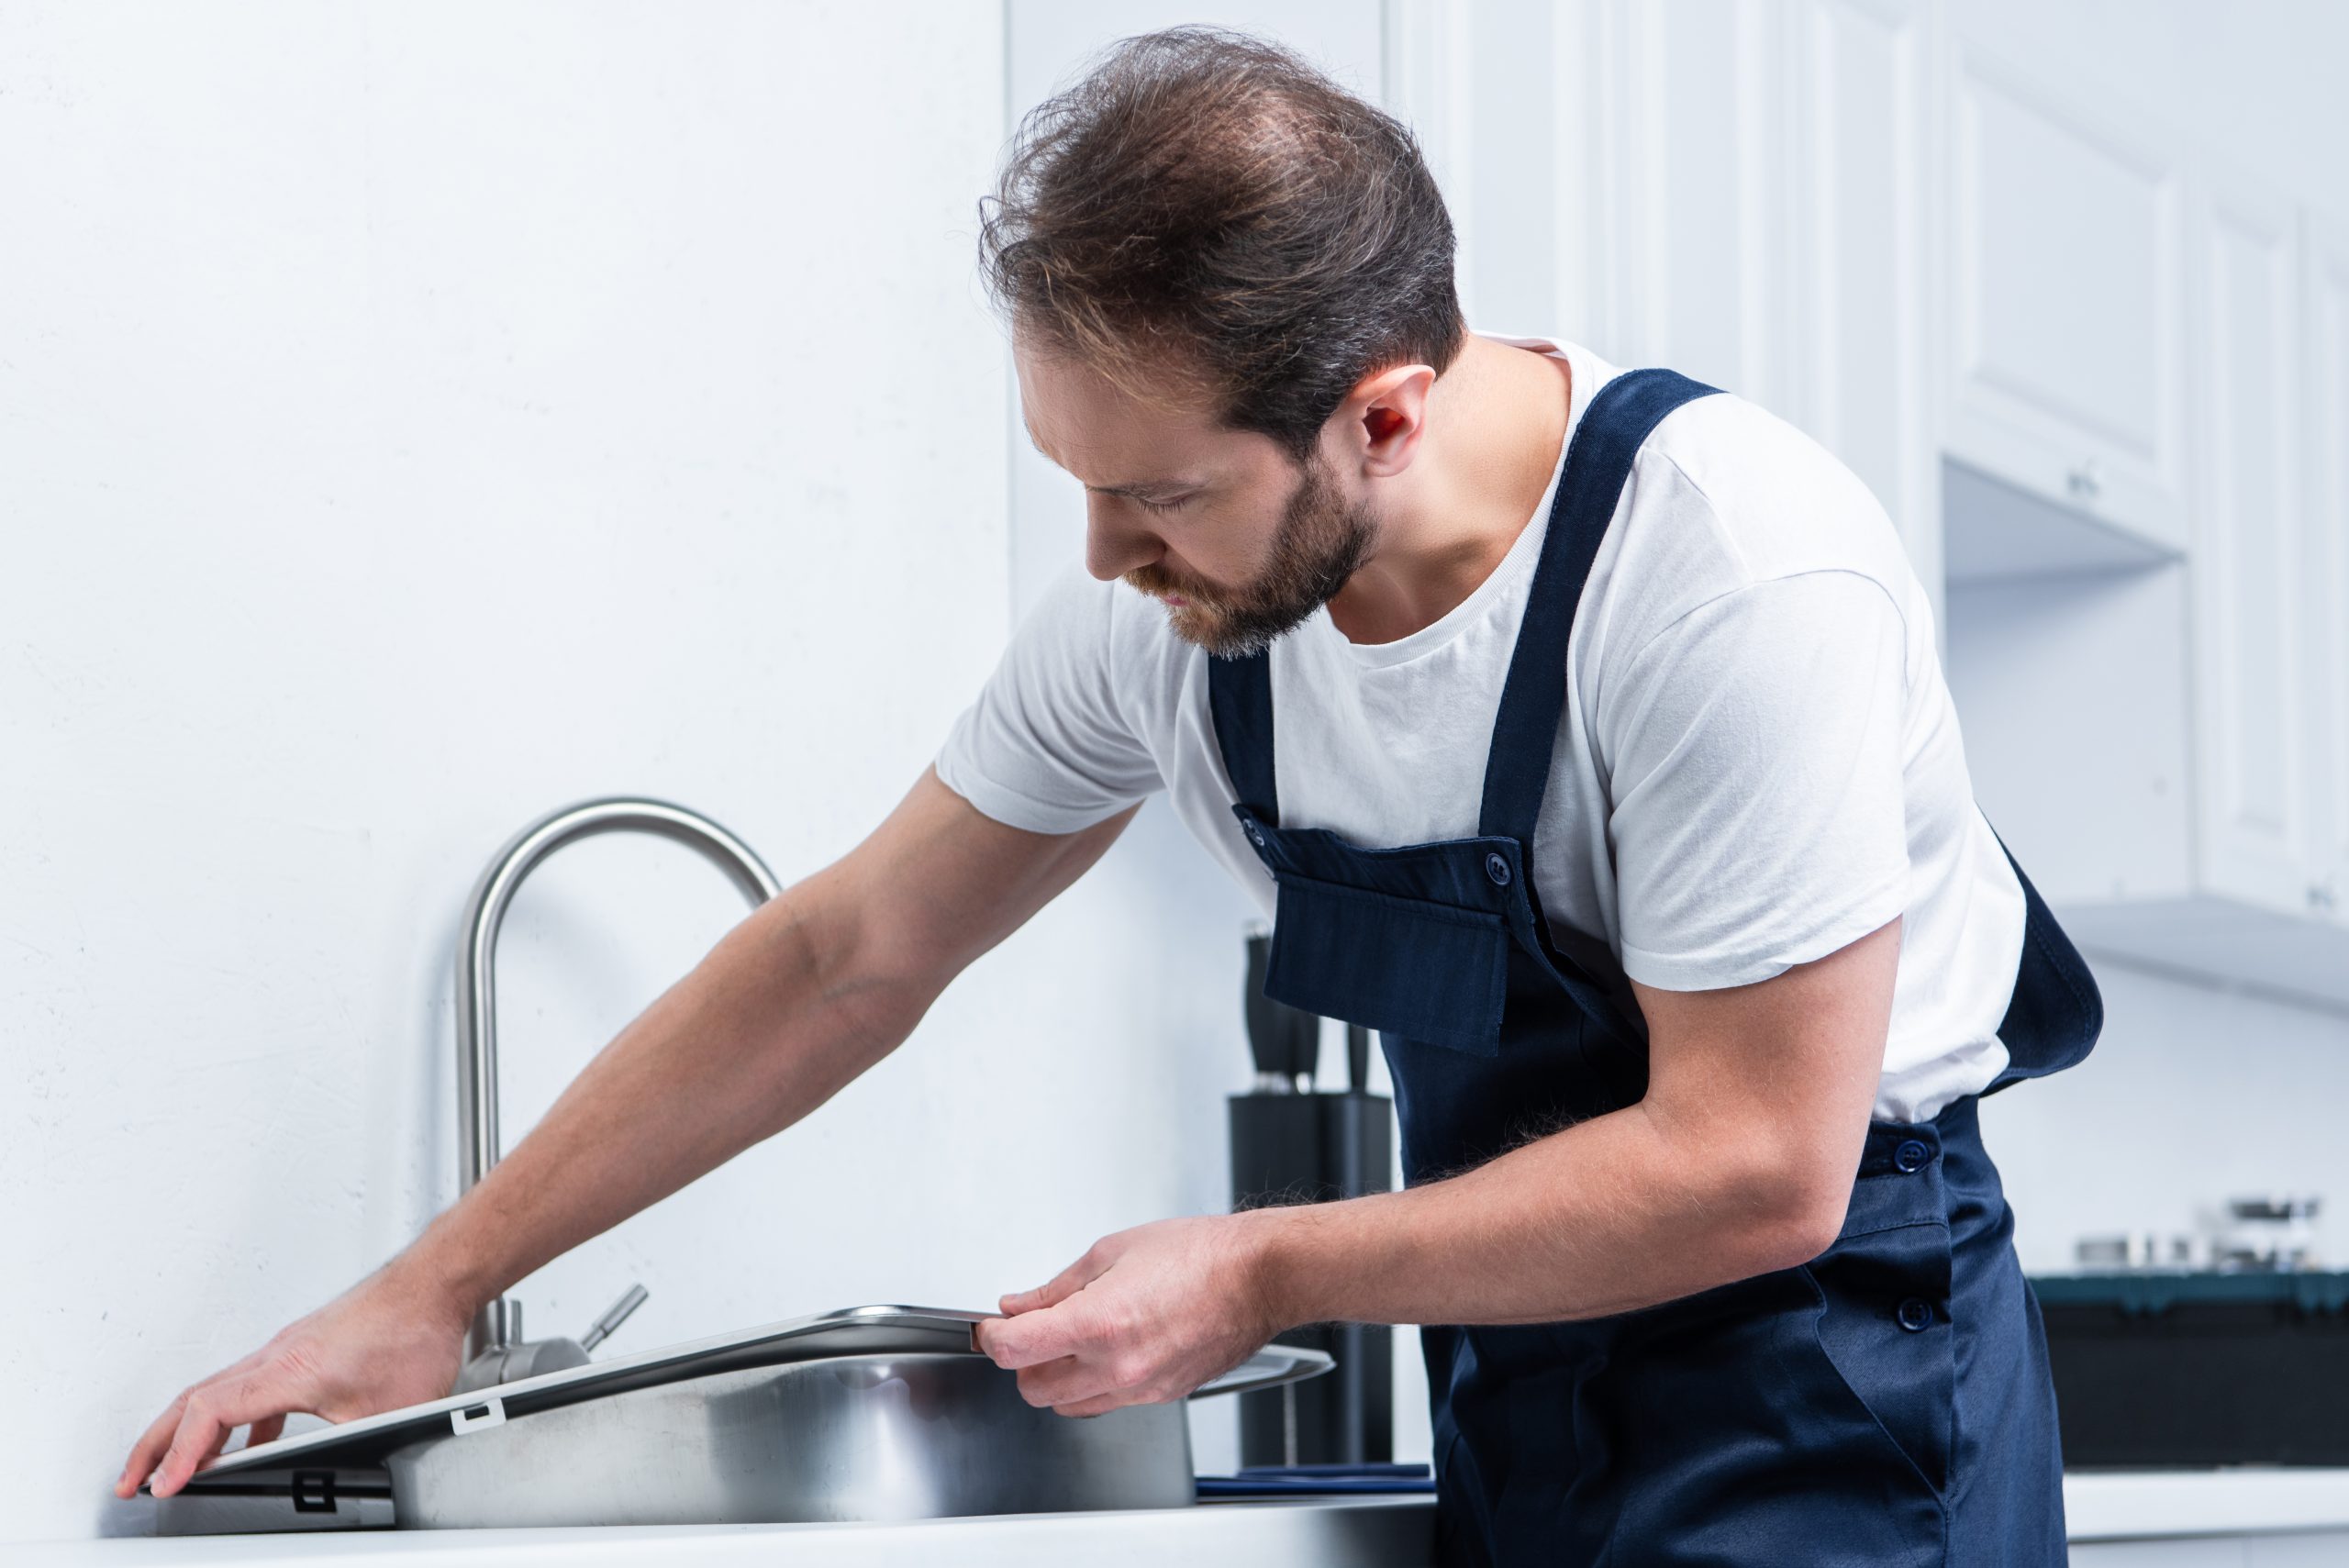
{"x": 1159, "y": 506}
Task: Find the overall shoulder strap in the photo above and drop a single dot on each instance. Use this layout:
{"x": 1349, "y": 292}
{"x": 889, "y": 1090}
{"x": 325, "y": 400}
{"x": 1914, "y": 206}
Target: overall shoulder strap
{"x": 1597, "y": 462}
{"x": 1239, "y": 699}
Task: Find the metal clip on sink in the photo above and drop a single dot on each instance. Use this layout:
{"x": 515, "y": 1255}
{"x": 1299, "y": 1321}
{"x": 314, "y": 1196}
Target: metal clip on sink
{"x": 496, "y": 1350}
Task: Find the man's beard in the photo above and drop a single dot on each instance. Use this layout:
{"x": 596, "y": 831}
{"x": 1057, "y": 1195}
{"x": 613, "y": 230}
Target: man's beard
{"x": 1320, "y": 541}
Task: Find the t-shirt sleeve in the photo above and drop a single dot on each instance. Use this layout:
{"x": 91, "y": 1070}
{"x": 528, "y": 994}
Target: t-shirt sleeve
{"x": 1758, "y": 815}
{"x": 1046, "y": 746}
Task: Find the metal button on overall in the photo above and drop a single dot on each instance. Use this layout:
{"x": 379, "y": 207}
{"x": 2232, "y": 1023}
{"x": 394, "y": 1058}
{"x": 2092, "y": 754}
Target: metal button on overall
{"x": 1911, "y": 1156}
{"x": 1915, "y": 1315}
{"x": 1497, "y": 867}
{"x": 1255, "y": 835}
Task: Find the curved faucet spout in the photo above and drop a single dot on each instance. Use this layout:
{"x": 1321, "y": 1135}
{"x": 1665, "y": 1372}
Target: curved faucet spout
{"x": 478, "y": 1149}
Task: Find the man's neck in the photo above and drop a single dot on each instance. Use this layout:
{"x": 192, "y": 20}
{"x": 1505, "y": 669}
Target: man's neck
{"x": 1496, "y": 422}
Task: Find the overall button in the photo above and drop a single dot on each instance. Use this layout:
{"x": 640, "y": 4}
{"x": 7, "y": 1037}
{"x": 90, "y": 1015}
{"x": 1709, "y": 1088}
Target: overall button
{"x": 1255, "y": 835}
{"x": 1914, "y": 1315}
{"x": 1911, "y": 1155}
{"x": 1497, "y": 867}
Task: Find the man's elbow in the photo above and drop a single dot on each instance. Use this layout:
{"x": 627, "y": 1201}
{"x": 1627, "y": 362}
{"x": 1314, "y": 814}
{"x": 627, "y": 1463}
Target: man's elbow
{"x": 1808, "y": 1213}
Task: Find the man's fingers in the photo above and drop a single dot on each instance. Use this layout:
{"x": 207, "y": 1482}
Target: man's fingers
{"x": 149, "y": 1448}
{"x": 1061, "y": 1285}
{"x": 213, "y": 1411}
{"x": 149, "y": 1451}
{"x": 1026, "y": 1340}
{"x": 1069, "y": 1381}
{"x": 1099, "y": 1405}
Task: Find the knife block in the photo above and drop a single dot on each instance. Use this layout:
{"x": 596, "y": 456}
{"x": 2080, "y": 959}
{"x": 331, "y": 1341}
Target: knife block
{"x": 1313, "y": 1148}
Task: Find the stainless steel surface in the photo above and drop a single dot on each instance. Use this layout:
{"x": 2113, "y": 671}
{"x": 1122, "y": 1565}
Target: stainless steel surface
{"x": 272, "y": 1501}
{"x": 510, "y": 1358}
{"x": 477, "y": 1147}
{"x": 2271, "y": 1231}
{"x": 614, "y": 1316}
{"x": 877, "y": 1331}
{"x": 2137, "y": 1250}
{"x": 869, "y": 1436}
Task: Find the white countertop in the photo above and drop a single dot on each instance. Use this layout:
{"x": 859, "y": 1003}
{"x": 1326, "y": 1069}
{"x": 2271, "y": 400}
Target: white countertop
{"x": 2241, "y": 1499}
{"x": 1348, "y": 1532}
{"x": 1367, "y": 1531}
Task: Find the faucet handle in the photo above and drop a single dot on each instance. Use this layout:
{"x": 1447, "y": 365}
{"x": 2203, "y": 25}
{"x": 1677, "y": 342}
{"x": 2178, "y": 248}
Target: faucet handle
{"x": 614, "y": 1316}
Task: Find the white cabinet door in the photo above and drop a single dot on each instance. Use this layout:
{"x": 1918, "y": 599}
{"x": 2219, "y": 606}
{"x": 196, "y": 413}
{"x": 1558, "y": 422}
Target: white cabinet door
{"x": 1694, "y": 278}
{"x": 2249, "y": 544}
{"x": 1859, "y": 180}
{"x": 2325, "y": 333}
{"x": 2066, "y": 358}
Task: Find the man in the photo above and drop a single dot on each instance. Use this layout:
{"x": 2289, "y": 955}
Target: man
{"x": 1584, "y": 731}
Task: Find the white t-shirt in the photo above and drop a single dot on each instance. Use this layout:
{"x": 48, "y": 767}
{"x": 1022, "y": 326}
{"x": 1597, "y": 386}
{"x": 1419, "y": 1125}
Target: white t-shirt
{"x": 1758, "y": 762}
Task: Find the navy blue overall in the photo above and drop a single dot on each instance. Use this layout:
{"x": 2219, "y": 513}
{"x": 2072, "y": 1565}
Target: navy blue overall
{"x": 1886, "y": 1404}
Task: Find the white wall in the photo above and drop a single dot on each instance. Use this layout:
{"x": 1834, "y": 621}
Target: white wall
{"x": 2194, "y": 1095}
{"x": 415, "y": 418}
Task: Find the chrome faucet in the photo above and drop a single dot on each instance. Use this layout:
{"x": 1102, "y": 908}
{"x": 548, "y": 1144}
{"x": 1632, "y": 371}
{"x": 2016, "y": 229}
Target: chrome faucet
{"x": 495, "y": 1350}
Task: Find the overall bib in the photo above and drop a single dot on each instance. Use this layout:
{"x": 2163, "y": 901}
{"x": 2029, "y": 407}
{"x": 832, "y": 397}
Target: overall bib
{"x": 1886, "y": 1404}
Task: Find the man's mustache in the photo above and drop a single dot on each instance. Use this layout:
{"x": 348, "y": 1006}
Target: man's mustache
{"x": 1157, "y": 581}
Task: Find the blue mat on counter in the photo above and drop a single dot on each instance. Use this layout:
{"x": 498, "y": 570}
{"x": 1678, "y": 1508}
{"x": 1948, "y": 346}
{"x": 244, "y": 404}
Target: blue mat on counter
{"x": 1294, "y": 1480}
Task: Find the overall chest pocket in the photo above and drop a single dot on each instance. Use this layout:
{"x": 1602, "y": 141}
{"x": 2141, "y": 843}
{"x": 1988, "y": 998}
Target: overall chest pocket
{"x": 1429, "y": 971}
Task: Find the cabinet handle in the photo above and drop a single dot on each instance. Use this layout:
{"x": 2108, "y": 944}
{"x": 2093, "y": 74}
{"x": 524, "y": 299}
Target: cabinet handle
{"x": 2087, "y": 482}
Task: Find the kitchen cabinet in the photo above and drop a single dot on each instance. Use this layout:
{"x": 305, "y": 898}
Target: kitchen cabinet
{"x": 1753, "y": 182}
{"x": 2325, "y": 498}
{"x": 2165, "y": 744}
{"x": 2067, "y": 354}
{"x": 1695, "y": 143}
{"x": 2251, "y": 547}
{"x": 1862, "y": 185}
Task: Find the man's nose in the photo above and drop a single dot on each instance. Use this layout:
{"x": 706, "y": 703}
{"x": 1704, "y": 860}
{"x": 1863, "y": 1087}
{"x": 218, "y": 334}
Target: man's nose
{"x": 1113, "y": 545}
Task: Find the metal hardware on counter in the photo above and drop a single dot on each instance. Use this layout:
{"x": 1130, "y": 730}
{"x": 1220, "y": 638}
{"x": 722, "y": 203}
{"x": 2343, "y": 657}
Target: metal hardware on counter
{"x": 495, "y": 1350}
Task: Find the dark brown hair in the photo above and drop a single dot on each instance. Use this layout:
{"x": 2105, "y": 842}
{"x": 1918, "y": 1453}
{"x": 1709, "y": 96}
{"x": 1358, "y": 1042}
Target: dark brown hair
{"x": 1209, "y": 221}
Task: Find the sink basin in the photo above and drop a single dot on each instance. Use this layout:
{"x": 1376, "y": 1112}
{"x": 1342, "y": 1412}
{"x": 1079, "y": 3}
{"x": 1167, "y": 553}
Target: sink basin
{"x": 872, "y": 1413}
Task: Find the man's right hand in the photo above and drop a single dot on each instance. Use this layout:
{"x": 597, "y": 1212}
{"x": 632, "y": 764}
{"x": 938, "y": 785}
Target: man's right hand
{"x": 386, "y": 1342}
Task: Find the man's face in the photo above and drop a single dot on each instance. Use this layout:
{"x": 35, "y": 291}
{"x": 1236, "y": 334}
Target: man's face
{"x": 1238, "y": 543}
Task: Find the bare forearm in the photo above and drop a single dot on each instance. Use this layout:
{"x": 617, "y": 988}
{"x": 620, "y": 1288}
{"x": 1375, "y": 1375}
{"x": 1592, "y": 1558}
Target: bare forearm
{"x": 783, "y": 1013}
{"x": 1617, "y": 1213}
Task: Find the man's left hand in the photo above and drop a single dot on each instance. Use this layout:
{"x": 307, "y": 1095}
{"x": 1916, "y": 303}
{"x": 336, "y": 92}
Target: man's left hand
{"x": 1146, "y": 1315}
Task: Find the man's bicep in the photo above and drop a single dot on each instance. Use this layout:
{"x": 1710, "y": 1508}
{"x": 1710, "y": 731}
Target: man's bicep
{"x": 940, "y": 882}
{"x": 1780, "y": 1075}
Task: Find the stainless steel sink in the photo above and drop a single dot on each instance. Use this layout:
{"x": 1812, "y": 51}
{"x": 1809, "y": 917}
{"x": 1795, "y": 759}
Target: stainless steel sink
{"x": 868, "y": 1413}
{"x": 857, "y": 1438}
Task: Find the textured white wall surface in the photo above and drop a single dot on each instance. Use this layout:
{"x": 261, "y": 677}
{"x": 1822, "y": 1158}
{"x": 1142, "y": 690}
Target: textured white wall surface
{"x": 415, "y": 418}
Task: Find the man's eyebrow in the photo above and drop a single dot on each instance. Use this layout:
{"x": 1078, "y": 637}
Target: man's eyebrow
{"x": 1132, "y": 489}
